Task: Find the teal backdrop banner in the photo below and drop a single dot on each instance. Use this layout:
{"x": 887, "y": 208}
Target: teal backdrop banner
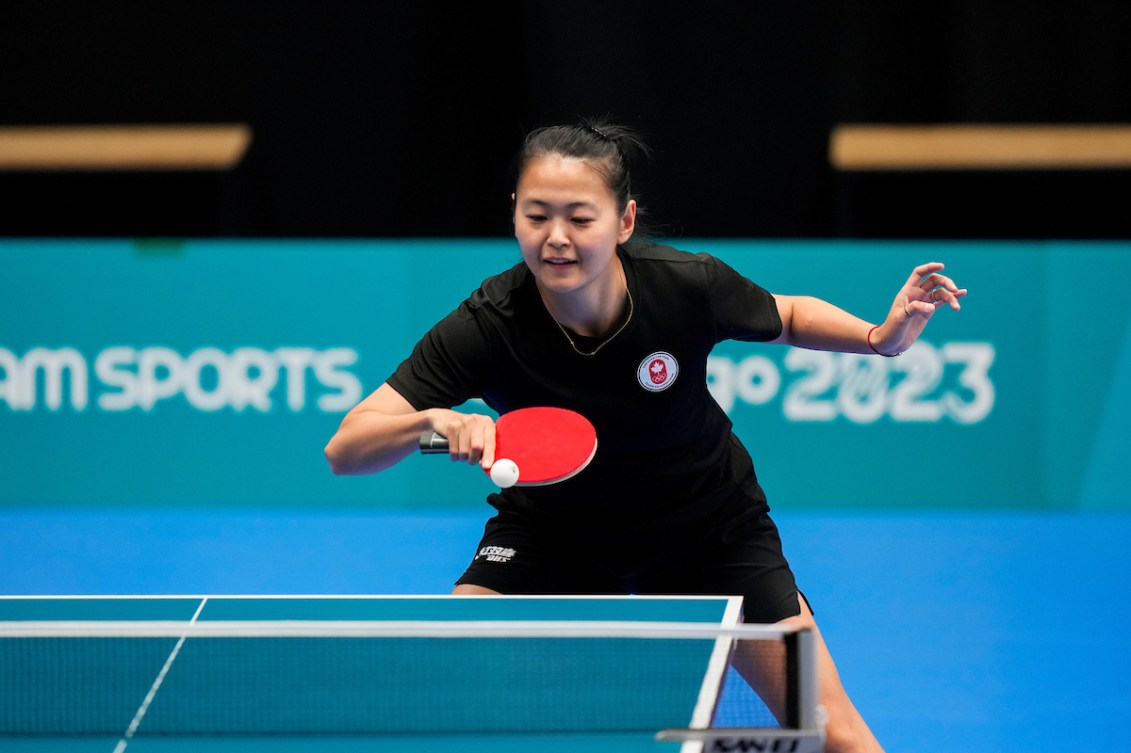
{"x": 212, "y": 373}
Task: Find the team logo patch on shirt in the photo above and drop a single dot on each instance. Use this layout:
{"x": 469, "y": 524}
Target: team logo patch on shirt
{"x": 658, "y": 371}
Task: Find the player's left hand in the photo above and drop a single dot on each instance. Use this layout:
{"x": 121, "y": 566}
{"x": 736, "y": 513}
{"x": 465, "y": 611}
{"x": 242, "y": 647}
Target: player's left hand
{"x": 924, "y": 293}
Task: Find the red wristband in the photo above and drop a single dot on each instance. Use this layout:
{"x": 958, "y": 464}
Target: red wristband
{"x": 873, "y": 347}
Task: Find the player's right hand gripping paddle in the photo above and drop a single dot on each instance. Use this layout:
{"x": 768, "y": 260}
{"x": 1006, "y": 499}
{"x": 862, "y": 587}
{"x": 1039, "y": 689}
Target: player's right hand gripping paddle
{"x": 533, "y": 446}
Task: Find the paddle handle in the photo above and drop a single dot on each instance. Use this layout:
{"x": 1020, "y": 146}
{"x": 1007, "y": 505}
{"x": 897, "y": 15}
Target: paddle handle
{"x": 433, "y": 443}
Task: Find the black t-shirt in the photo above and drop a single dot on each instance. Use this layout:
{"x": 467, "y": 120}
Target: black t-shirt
{"x": 666, "y": 457}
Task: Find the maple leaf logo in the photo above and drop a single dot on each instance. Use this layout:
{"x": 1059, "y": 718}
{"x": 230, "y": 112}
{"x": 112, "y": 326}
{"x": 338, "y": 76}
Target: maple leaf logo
{"x": 658, "y": 371}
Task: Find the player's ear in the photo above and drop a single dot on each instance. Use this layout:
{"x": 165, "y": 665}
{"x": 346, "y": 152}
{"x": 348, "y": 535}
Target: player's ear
{"x": 514, "y": 207}
{"x": 627, "y": 221}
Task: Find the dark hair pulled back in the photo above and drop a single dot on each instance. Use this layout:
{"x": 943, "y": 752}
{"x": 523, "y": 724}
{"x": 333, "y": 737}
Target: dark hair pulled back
{"x": 608, "y": 148}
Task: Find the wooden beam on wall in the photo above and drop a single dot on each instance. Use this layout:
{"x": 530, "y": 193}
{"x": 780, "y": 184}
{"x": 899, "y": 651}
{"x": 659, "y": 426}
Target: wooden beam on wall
{"x": 979, "y": 147}
{"x": 123, "y": 147}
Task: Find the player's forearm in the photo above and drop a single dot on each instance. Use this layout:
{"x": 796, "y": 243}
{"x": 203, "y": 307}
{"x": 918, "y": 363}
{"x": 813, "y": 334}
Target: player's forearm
{"x": 370, "y": 441}
{"x": 819, "y": 325}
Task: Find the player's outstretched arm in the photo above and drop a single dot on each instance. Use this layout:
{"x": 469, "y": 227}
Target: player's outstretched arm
{"x": 809, "y": 322}
{"x": 384, "y": 429}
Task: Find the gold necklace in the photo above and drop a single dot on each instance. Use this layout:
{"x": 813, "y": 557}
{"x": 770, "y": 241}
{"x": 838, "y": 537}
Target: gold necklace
{"x": 608, "y": 339}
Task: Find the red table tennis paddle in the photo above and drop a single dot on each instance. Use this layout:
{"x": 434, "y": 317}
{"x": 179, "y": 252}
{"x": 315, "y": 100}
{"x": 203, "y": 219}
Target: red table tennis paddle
{"x": 533, "y": 446}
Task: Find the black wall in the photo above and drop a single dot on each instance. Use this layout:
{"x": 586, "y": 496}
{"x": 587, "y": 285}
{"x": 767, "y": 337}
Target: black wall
{"x": 379, "y": 119}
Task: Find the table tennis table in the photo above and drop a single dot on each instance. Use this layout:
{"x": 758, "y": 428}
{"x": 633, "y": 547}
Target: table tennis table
{"x": 165, "y": 674}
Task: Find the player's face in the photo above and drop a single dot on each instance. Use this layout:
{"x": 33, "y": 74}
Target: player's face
{"x": 567, "y": 223}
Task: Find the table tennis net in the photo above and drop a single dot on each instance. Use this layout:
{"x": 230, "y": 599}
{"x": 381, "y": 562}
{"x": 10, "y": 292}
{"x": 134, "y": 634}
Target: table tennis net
{"x": 355, "y": 678}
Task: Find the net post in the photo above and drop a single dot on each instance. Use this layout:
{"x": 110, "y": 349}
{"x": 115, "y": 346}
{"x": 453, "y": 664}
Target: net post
{"x": 801, "y": 666}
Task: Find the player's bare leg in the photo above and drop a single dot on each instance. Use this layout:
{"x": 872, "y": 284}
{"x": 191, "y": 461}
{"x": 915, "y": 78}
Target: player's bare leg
{"x": 762, "y": 665}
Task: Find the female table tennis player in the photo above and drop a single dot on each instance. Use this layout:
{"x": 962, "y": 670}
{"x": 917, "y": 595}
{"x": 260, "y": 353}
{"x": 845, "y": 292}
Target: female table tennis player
{"x": 620, "y": 330}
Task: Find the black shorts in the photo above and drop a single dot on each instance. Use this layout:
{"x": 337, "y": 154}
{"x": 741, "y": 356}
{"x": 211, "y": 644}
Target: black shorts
{"x": 742, "y": 559}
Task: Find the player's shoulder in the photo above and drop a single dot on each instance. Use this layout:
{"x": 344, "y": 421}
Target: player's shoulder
{"x": 660, "y": 260}
{"x": 662, "y": 253}
{"x": 499, "y": 292}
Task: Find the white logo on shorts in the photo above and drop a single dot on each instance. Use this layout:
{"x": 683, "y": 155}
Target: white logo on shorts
{"x": 658, "y": 371}
{"x": 496, "y": 554}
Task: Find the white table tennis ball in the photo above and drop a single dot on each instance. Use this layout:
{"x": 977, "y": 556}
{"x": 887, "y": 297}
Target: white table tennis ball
{"x": 504, "y": 473}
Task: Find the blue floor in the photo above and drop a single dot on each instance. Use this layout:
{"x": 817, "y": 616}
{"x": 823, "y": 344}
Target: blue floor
{"x": 953, "y": 632}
